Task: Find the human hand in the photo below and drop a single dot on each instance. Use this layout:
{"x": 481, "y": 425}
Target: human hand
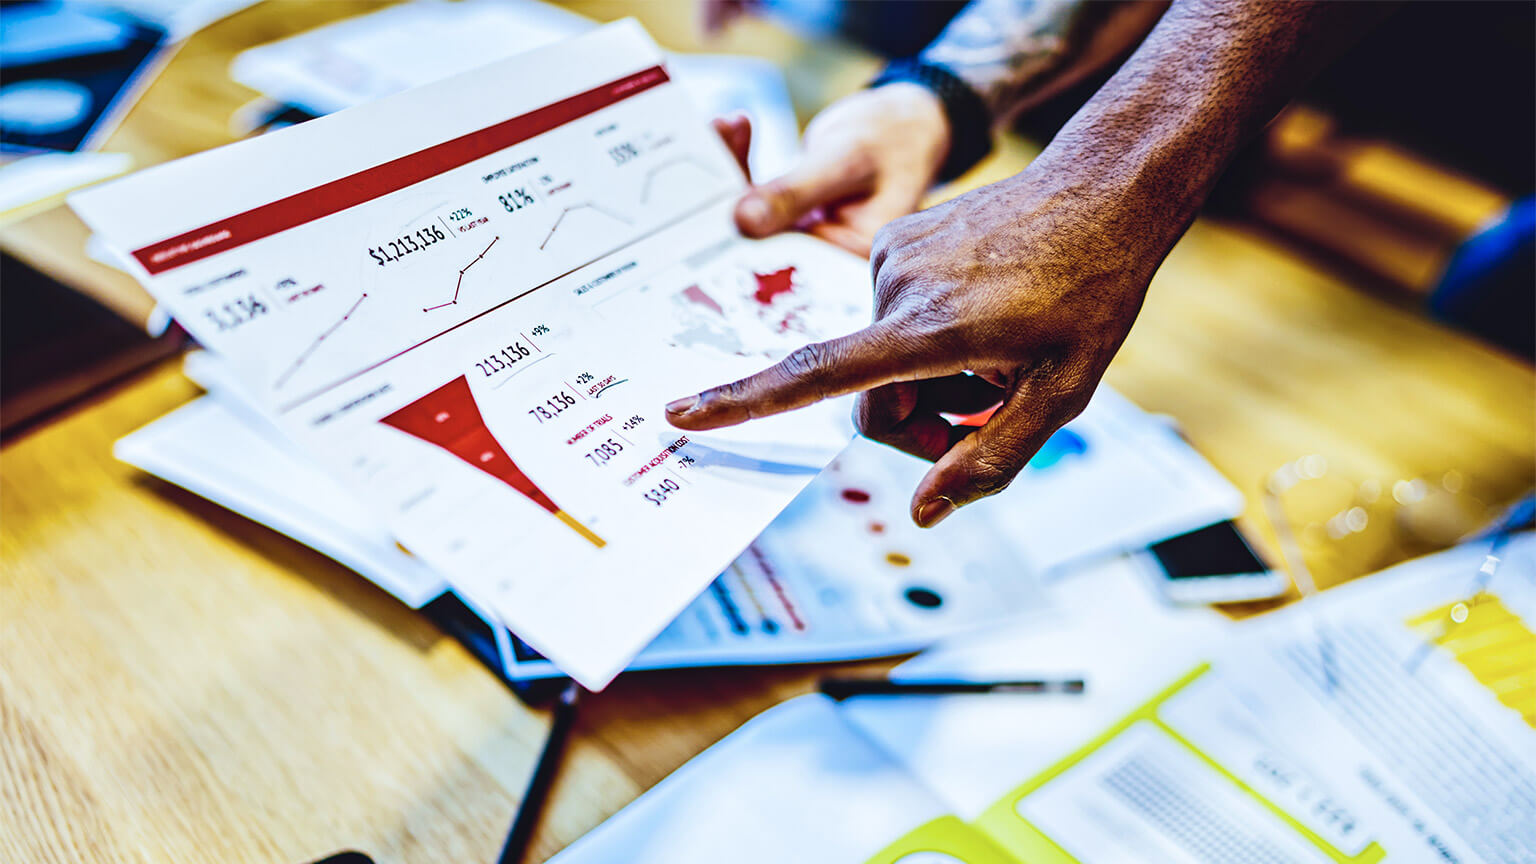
{"x": 717, "y": 15}
{"x": 868, "y": 158}
{"x": 1018, "y": 293}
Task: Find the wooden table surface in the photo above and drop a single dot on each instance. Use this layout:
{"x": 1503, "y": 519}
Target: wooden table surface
{"x": 178, "y": 684}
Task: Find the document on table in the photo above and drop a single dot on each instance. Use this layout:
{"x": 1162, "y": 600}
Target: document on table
{"x": 1245, "y": 757}
{"x": 884, "y": 586}
{"x": 469, "y": 302}
{"x": 1426, "y": 695}
{"x": 368, "y": 57}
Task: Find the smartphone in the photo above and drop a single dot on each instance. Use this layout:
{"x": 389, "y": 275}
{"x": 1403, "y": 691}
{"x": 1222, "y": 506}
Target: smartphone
{"x": 1212, "y": 565}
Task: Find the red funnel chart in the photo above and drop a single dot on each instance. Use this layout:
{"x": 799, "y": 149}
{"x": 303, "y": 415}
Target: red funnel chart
{"x": 449, "y": 418}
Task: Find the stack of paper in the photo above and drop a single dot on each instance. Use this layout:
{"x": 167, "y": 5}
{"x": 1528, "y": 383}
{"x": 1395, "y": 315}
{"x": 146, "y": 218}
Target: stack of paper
{"x": 359, "y": 60}
{"x": 1198, "y": 740}
{"x": 71, "y": 72}
{"x": 841, "y": 574}
{"x": 468, "y": 301}
{"x": 449, "y": 318}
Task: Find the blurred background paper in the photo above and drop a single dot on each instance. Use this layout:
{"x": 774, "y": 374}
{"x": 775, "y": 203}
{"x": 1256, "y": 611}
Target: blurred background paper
{"x": 68, "y": 72}
{"x": 368, "y": 57}
{"x": 180, "y": 18}
{"x": 36, "y": 182}
{"x": 361, "y": 59}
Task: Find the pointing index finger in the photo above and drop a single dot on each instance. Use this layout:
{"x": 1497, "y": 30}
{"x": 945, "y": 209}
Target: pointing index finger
{"x": 821, "y": 370}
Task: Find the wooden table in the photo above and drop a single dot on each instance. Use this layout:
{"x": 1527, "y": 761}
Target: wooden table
{"x": 178, "y": 684}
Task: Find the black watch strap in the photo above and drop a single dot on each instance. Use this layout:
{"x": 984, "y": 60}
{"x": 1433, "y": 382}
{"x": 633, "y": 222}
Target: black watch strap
{"x": 970, "y": 123}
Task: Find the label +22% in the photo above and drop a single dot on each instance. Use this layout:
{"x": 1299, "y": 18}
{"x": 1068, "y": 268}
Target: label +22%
{"x": 417, "y": 241}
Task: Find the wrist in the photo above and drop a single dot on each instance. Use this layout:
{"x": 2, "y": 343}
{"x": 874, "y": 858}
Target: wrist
{"x": 1141, "y": 184}
{"x": 967, "y": 122}
{"x": 915, "y": 115}
{"x": 1116, "y": 214}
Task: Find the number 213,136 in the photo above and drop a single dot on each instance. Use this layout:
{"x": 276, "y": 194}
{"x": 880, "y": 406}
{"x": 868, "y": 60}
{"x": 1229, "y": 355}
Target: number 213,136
{"x": 503, "y": 359}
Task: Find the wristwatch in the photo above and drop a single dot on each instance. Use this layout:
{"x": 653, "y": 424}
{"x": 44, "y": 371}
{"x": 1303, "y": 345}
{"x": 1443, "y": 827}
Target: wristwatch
{"x": 970, "y": 123}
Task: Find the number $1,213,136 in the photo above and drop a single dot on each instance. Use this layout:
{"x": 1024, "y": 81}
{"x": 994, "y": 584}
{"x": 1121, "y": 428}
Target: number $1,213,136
{"x": 398, "y": 248}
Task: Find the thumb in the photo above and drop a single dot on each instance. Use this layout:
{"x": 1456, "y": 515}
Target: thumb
{"x": 820, "y": 178}
{"x": 984, "y": 462}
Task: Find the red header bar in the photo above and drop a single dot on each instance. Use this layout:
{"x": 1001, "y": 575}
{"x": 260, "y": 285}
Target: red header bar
{"x": 364, "y": 186}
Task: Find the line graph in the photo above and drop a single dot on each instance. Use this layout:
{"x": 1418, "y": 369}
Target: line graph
{"x": 650, "y": 174}
{"x": 585, "y": 205}
{"x": 458, "y": 286}
{"x": 365, "y": 367}
{"x": 315, "y": 345}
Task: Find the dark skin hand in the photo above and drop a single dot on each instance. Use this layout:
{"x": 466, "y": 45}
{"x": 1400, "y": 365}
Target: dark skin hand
{"x": 1021, "y": 292}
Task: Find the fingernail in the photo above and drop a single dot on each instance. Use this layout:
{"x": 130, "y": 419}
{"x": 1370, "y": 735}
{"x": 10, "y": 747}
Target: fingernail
{"x": 935, "y": 511}
{"x": 755, "y": 212}
{"x": 682, "y": 406}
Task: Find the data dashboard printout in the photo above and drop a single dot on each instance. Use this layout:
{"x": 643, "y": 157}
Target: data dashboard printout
{"x": 470, "y": 301}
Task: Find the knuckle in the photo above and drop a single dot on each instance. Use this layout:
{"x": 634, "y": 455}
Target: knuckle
{"x": 732, "y": 393}
{"x": 785, "y": 198}
{"x": 881, "y": 247}
{"x": 805, "y": 364}
{"x": 929, "y": 318}
{"x": 893, "y": 284}
{"x": 888, "y": 242}
{"x": 926, "y": 312}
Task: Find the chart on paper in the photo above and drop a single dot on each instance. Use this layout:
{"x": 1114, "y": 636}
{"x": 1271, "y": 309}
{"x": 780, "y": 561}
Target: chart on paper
{"x": 476, "y": 330}
{"x": 534, "y": 211}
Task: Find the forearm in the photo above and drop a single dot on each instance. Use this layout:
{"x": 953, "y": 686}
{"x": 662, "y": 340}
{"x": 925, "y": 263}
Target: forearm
{"x": 1212, "y": 72}
{"x": 1018, "y": 53}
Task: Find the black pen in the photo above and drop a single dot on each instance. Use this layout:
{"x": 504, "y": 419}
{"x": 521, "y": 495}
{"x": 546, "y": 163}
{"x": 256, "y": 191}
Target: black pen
{"x": 564, "y": 717}
{"x": 842, "y": 688}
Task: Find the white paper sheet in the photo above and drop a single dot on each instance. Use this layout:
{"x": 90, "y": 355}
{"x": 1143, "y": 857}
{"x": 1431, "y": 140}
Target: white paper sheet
{"x": 794, "y": 784}
{"x": 274, "y": 486}
{"x": 1110, "y": 628}
{"x": 431, "y": 293}
{"x": 1251, "y": 757}
{"x": 1421, "y": 766}
{"x": 45, "y": 179}
{"x": 1410, "y": 735}
{"x": 841, "y": 574}
{"x": 1115, "y": 479}
{"x": 358, "y": 60}
{"x": 361, "y": 59}
{"x": 181, "y": 18}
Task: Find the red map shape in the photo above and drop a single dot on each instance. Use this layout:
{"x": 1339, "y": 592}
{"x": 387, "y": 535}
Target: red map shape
{"x": 697, "y": 295}
{"x": 771, "y": 285}
{"x": 449, "y": 418}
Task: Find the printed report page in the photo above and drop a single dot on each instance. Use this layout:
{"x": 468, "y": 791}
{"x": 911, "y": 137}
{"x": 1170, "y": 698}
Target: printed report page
{"x": 469, "y": 303}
